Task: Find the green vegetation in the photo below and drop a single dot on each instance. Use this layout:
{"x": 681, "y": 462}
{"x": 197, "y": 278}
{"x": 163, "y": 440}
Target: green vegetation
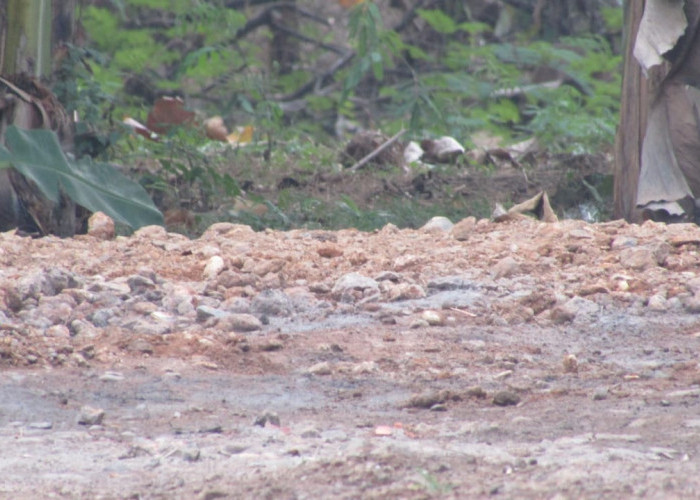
{"x": 445, "y": 74}
{"x": 37, "y": 155}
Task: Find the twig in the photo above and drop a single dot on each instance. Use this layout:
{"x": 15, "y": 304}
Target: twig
{"x": 304, "y": 38}
{"x": 314, "y": 84}
{"x": 466, "y": 313}
{"x": 381, "y": 148}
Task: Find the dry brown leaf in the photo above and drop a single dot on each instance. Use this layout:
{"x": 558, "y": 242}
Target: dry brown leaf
{"x": 168, "y": 112}
{"x": 538, "y": 205}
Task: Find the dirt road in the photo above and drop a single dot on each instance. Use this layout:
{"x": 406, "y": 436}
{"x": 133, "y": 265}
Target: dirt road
{"x": 515, "y": 360}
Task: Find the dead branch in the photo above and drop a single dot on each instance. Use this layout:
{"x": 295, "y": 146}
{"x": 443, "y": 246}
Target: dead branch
{"x": 377, "y": 151}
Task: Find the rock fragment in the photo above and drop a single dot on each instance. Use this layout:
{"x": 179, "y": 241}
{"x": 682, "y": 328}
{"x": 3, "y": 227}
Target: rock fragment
{"x": 239, "y": 323}
{"x": 506, "y": 398}
{"x": 433, "y": 318}
{"x": 570, "y": 363}
{"x": 322, "y": 368}
{"x": 352, "y": 283}
{"x": 505, "y": 268}
{"x": 463, "y": 230}
{"x": 101, "y": 226}
{"x": 329, "y": 250}
{"x": 437, "y": 224}
{"x": 213, "y": 267}
{"x": 91, "y": 416}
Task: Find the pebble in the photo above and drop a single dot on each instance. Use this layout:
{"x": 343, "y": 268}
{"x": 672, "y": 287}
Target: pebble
{"x": 329, "y": 250}
{"x": 354, "y": 281}
{"x": 692, "y": 304}
{"x": 562, "y": 314}
{"x": 644, "y": 257}
{"x": 140, "y": 284}
{"x": 91, "y": 416}
{"x": 405, "y": 261}
{"x": 213, "y": 267}
{"x": 365, "y": 367}
{"x": 600, "y": 394}
{"x": 438, "y": 224}
{"x": 272, "y": 302}
{"x": 404, "y": 291}
{"x": 235, "y": 449}
{"x": 41, "y": 425}
{"x": 58, "y": 331}
{"x": 310, "y": 433}
{"x": 101, "y": 226}
{"x": 505, "y": 268}
{"x": 427, "y": 400}
{"x": 273, "y": 345}
{"x": 112, "y": 376}
{"x": 463, "y": 230}
{"x": 240, "y": 322}
{"x": 419, "y": 323}
{"x": 191, "y": 454}
{"x": 475, "y": 392}
{"x": 657, "y": 302}
{"x": 623, "y": 242}
{"x": 228, "y": 279}
{"x": 433, "y": 318}
{"x": 506, "y": 398}
{"x": 570, "y": 363}
{"x": 206, "y": 312}
{"x": 267, "y": 417}
{"x": 322, "y": 368}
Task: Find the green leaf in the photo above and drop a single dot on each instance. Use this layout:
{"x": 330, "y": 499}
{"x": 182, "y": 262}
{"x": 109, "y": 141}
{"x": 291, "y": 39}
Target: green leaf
{"x": 438, "y": 20}
{"x": 37, "y": 155}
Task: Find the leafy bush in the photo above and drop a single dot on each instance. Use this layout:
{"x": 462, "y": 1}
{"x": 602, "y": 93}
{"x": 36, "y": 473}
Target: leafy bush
{"x": 451, "y": 76}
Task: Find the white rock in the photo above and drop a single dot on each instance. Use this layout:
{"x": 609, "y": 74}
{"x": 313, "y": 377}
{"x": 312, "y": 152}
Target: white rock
{"x": 214, "y": 266}
{"x": 101, "y": 226}
{"x": 91, "y": 416}
{"x": 354, "y": 281}
{"x": 657, "y": 302}
{"x": 322, "y": 368}
{"x": 433, "y": 318}
{"x": 412, "y": 153}
{"x": 437, "y": 224}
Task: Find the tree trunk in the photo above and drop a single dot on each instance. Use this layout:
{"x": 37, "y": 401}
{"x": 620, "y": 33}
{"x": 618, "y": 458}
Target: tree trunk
{"x": 657, "y": 150}
{"x": 633, "y": 121}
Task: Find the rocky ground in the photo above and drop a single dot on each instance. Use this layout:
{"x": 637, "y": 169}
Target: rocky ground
{"x": 516, "y": 360}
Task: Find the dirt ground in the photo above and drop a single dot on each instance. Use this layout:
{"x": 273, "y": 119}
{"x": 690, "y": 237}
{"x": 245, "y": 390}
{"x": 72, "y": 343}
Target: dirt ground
{"x": 509, "y": 360}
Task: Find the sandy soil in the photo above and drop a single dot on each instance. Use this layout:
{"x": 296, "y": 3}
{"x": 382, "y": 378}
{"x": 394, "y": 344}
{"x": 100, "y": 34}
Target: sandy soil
{"x": 513, "y": 360}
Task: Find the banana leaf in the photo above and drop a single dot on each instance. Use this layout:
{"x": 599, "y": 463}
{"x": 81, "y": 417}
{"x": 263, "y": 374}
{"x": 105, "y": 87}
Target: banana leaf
{"x": 37, "y": 155}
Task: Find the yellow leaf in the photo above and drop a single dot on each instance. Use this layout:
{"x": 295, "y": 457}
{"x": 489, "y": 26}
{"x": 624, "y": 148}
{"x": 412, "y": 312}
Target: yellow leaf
{"x": 242, "y": 135}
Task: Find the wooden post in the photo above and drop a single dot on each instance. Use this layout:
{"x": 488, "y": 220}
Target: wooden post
{"x": 633, "y": 120}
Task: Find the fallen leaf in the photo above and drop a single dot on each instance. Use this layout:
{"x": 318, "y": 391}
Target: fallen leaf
{"x": 242, "y": 135}
{"x": 140, "y": 128}
{"x": 168, "y": 112}
{"x": 538, "y": 205}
